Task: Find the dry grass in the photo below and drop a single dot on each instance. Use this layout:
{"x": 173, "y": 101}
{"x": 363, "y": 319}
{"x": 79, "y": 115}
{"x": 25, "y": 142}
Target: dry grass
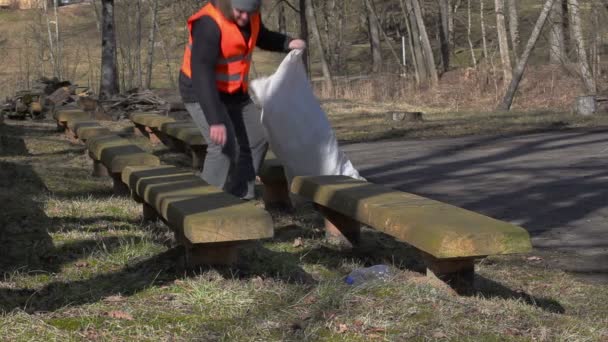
{"x": 112, "y": 278}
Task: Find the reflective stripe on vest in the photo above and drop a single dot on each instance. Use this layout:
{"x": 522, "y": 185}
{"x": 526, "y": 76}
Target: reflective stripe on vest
{"x": 232, "y": 68}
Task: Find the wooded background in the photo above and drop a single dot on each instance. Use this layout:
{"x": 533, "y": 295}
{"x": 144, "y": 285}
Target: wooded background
{"x": 372, "y": 49}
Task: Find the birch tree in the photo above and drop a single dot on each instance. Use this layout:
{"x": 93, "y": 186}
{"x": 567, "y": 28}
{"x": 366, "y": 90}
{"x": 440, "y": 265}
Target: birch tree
{"x": 503, "y": 42}
{"x": 579, "y": 41}
{"x": 518, "y": 73}
{"x": 557, "y": 46}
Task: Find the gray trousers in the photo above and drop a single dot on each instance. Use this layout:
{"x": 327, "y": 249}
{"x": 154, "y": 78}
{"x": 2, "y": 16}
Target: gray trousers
{"x": 233, "y": 167}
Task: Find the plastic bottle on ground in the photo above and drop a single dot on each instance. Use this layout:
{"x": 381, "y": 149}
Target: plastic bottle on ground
{"x": 362, "y": 275}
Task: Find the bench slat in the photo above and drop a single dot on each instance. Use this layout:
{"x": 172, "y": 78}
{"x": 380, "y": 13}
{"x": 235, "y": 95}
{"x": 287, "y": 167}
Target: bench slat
{"x": 203, "y": 213}
{"x": 151, "y": 120}
{"x": 439, "y": 229}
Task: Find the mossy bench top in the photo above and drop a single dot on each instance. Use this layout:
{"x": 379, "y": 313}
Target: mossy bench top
{"x": 190, "y": 136}
{"x": 204, "y": 213}
{"x": 116, "y": 153}
{"x": 86, "y": 133}
{"x": 171, "y": 128}
{"x": 151, "y": 120}
{"x": 75, "y": 124}
{"x": 71, "y": 114}
{"x": 97, "y": 144}
{"x": 439, "y": 229}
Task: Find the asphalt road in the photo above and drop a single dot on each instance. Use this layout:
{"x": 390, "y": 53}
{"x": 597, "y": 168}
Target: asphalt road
{"x": 554, "y": 184}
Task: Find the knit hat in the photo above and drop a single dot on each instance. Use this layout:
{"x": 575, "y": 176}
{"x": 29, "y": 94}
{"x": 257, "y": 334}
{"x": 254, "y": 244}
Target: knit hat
{"x": 246, "y": 5}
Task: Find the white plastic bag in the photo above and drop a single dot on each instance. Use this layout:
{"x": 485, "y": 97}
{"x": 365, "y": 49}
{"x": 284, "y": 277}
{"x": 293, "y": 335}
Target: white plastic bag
{"x": 296, "y": 126}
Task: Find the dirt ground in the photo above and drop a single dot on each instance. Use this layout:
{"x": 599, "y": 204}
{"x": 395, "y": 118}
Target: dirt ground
{"x": 554, "y": 184}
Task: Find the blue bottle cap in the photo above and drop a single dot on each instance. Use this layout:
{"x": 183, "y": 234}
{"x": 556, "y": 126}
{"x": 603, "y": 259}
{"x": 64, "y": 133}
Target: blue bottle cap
{"x": 349, "y": 280}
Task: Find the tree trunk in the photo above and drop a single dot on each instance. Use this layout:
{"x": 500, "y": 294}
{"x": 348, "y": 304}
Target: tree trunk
{"x": 518, "y": 73}
{"x": 304, "y": 34}
{"x": 374, "y": 36}
{"x": 503, "y": 42}
{"x": 311, "y": 18}
{"x": 58, "y": 44}
{"x": 138, "y": 39}
{"x": 514, "y": 28}
{"x": 109, "y": 71}
{"x": 473, "y": 58}
{"x": 151, "y": 42}
{"x": 484, "y": 39}
{"x": 557, "y": 48}
{"x": 417, "y": 46}
{"x": 281, "y": 17}
{"x": 444, "y": 33}
{"x": 426, "y": 44}
{"x": 577, "y": 37}
{"x": 411, "y": 43}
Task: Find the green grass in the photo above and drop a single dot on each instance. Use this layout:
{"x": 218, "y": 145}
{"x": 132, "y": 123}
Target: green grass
{"x": 111, "y": 277}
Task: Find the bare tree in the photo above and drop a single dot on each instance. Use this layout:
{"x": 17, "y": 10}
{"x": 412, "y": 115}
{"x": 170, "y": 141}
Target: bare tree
{"x": 503, "y": 42}
{"x": 577, "y": 37}
{"x": 557, "y": 46}
{"x": 518, "y": 73}
{"x": 482, "y": 21}
{"x": 311, "y": 18}
{"x": 444, "y": 33}
{"x": 109, "y": 71}
{"x": 138, "y": 38}
{"x": 281, "y": 17}
{"x": 426, "y": 44}
{"x": 473, "y": 58}
{"x": 514, "y": 28}
{"x": 151, "y": 43}
{"x": 374, "y": 36}
{"x": 304, "y": 33}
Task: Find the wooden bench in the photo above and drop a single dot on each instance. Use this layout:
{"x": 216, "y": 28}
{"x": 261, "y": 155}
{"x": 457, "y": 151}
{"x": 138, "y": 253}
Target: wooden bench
{"x": 80, "y": 130}
{"x": 148, "y": 124}
{"x": 450, "y": 238}
{"x": 185, "y": 136}
{"x": 210, "y": 223}
{"x": 63, "y": 116}
{"x": 276, "y": 189}
{"x": 111, "y": 154}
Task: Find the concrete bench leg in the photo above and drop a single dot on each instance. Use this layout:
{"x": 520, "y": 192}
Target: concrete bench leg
{"x": 151, "y": 134}
{"x": 61, "y": 126}
{"x": 99, "y": 170}
{"x": 149, "y": 214}
{"x": 118, "y": 186}
{"x": 340, "y": 228}
{"x": 139, "y": 130}
{"x": 198, "y": 156}
{"x": 222, "y": 253}
{"x": 459, "y": 274}
{"x": 168, "y": 141}
{"x": 275, "y": 194}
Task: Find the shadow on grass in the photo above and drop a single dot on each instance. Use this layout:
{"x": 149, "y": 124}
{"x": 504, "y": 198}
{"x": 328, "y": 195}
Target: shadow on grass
{"x": 488, "y": 288}
{"x": 158, "y": 270}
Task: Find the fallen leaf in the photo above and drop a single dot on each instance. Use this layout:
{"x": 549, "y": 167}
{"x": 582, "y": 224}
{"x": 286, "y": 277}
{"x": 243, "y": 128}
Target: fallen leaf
{"x": 80, "y": 264}
{"x": 439, "y": 334}
{"x": 534, "y": 258}
{"x": 120, "y": 315}
{"x": 375, "y": 330}
{"x": 168, "y": 297}
{"x": 298, "y": 242}
{"x": 310, "y": 299}
{"x": 114, "y": 299}
{"x": 92, "y": 334}
{"x": 358, "y": 323}
{"x": 342, "y": 328}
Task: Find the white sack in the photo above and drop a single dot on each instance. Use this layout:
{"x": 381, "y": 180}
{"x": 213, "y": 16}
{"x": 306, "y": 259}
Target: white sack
{"x": 296, "y": 126}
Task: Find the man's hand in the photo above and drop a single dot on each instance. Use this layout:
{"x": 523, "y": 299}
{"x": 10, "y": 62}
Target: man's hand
{"x": 217, "y": 134}
{"x": 298, "y": 44}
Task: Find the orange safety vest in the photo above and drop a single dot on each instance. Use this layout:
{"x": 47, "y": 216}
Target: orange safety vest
{"x": 232, "y": 68}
